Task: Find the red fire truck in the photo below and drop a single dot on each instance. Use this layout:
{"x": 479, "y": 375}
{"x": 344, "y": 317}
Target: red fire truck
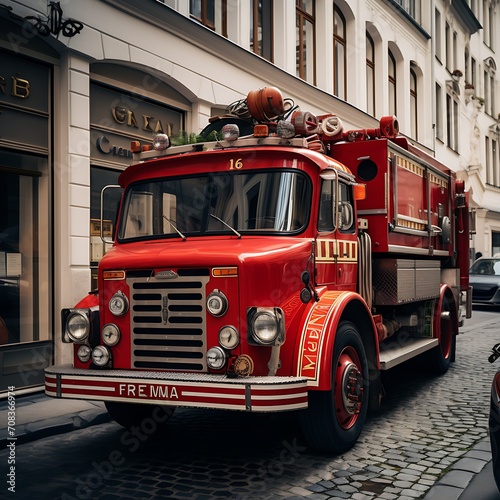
{"x": 282, "y": 264}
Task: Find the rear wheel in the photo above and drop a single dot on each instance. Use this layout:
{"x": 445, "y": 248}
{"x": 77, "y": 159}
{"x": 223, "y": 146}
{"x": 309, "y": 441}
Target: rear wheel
{"x": 335, "y": 418}
{"x": 139, "y": 415}
{"x": 442, "y": 355}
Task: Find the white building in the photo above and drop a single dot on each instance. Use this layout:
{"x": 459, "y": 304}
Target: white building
{"x": 79, "y": 80}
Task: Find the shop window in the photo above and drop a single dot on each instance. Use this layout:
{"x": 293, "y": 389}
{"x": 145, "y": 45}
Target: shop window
{"x": 24, "y": 270}
{"x": 100, "y": 178}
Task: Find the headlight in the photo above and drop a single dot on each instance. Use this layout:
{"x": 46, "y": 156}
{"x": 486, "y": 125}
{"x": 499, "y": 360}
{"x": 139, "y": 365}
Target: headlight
{"x": 266, "y": 325}
{"x": 216, "y": 358}
{"x": 217, "y": 303}
{"x": 101, "y": 355}
{"x": 118, "y": 305}
{"x": 78, "y": 326}
{"x": 83, "y": 353}
{"x": 110, "y": 334}
{"x": 229, "y": 337}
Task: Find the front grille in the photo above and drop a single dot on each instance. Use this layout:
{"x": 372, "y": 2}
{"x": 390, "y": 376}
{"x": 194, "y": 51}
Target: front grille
{"x": 168, "y": 321}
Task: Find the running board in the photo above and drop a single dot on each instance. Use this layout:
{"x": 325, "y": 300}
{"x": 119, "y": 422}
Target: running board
{"x": 394, "y": 353}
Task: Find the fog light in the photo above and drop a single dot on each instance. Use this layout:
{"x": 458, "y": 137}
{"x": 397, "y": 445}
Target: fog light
{"x": 118, "y": 305}
{"x": 83, "y": 353}
{"x": 216, "y": 358}
{"x": 101, "y": 355}
{"x": 110, "y": 334}
{"x": 229, "y": 337}
{"x": 217, "y": 303}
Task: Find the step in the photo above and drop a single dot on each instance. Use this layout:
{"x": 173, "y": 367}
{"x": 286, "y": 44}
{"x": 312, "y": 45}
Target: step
{"x": 395, "y": 353}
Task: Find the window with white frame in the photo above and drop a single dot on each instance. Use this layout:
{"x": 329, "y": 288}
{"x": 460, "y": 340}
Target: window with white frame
{"x": 392, "y": 84}
{"x": 439, "y": 112}
{"x": 210, "y": 13}
{"x": 305, "y": 44}
{"x": 447, "y": 46}
{"x": 370, "y": 75}
{"x": 339, "y": 54}
{"x": 412, "y": 8}
{"x": 489, "y": 169}
{"x": 438, "y": 34}
{"x": 452, "y": 122}
{"x": 413, "y": 104}
{"x": 489, "y": 86}
{"x": 261, "y": 25}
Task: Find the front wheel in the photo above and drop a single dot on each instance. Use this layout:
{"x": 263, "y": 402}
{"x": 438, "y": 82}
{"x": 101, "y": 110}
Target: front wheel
{"x": 335, "y": 418}
{"x": 138, "y": 415}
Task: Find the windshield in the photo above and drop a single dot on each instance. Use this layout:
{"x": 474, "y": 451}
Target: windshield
{"x": 270, "y": 201}
{"x": 486, "y": 266}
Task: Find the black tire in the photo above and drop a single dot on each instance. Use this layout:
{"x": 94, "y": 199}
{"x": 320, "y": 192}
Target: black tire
{"x": 134, "y": 415}
{"x": 442, "y": 355}
{"x": 335, "y": 418}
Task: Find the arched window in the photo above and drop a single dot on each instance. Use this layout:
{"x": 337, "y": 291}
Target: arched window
{"x": 339, "y": 54}
{"x": 392, "y": 84}
{"x": 370, "y": 75}
{"x": 413, "y": 104}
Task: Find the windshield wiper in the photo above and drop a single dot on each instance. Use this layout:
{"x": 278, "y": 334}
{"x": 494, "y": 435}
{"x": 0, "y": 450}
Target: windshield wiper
{"x": 176, "y": 230}
{"x": 226, "y": 224}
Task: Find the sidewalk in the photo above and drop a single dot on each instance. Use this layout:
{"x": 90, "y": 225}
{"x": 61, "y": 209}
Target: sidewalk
{"x": 38, "y": 416}
{"x": 457, "y": 482}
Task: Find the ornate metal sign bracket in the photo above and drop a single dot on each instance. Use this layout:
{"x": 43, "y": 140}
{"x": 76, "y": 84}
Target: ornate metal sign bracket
{"x": 54, "y": 24}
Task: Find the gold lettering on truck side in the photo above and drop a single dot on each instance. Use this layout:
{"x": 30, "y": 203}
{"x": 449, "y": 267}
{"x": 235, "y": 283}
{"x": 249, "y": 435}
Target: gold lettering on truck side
{"x": 235, "y": 164}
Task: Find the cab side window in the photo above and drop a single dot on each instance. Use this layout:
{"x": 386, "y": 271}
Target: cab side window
{"x": 326, "y": 207}
{"x": 345, "y": 209}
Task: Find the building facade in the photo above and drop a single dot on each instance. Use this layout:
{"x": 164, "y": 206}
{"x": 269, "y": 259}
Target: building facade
{"x": 79, "y": 80}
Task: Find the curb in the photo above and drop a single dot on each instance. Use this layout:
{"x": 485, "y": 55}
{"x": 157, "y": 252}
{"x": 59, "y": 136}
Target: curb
{"x": 458, "y": 478}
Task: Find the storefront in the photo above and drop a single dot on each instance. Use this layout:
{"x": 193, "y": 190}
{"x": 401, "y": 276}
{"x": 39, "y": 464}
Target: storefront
{"x": 117, "y": 116}
{"x": 25, "y": 264}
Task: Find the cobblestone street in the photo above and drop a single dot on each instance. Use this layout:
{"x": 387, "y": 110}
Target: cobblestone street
{"x": 427, "y": 423}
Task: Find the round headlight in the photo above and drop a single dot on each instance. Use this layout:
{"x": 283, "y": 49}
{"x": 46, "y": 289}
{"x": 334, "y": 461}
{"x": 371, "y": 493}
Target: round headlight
{"x": 229, "y": 337}
{"x": 83, "y": 353}
{"x": 217, "y": 303}
{"x": 77, "y": 326}
{"x": 265, "y": 327}
{"x": 100, "y": 355}
{"x": 110, "y": 334}
{"x": 118, "y": 305}
{"x": 216, "y": 358}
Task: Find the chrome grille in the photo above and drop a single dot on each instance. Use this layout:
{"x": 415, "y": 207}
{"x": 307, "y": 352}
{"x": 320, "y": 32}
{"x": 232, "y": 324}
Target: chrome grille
{"x": 168, "y": 320}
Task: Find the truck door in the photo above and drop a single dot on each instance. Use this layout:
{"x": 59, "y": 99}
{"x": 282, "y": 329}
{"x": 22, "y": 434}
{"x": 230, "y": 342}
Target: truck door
{"x": 337, "y": 247}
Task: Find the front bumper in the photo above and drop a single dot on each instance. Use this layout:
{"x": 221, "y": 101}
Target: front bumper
{"x": 256, "y": 394}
